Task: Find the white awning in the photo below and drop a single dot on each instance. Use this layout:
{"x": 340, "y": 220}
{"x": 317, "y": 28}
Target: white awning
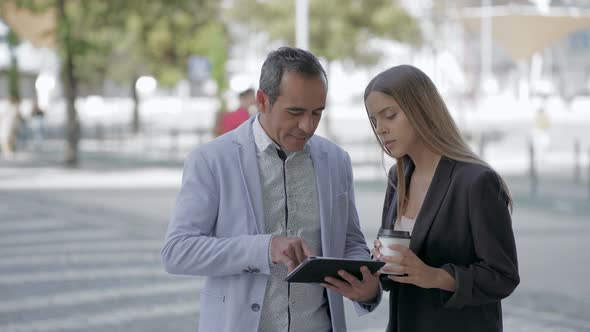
{"x": 37, "y": 28}
{"x": 524, "y": 31}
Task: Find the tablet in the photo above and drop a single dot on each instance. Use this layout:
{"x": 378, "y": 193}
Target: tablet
{"x": 315, "y": 269}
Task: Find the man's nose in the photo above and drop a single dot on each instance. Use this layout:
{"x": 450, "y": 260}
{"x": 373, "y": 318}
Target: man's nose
{"x": 306, "y": 123}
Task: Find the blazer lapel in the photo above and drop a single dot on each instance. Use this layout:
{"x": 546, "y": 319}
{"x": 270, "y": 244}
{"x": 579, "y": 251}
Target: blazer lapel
{"x": 434, "y": 197}
{"x": 322, "y": 179}
{"x": 248, "y": 162}
{"x": 389, "y": 222}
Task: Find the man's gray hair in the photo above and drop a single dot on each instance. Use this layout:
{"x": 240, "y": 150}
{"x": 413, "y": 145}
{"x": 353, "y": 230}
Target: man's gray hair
{"x": 286, "y": 59}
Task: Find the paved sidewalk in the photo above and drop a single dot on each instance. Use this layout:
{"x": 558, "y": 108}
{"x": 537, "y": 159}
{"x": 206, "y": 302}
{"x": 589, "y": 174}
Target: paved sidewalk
{"x": 128, "y": 166}
{"x": 79, "y": 248}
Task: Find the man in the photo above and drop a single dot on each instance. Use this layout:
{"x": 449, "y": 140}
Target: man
{"x": 256, "y": 202}
{"x": 234, "y": 119}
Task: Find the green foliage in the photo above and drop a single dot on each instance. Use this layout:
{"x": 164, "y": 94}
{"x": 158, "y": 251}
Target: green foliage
{"x": 13, "y": 72}
{"x": 122, "y": 40}
{"x": 158, "y": 37}
{"x": 212, "y": 41}
{"x": 338, "y": 29}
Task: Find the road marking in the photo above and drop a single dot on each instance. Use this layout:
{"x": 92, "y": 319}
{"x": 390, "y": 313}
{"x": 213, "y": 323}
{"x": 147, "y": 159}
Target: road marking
{"x": 78, "y": 297}
{"x": 75, "y": 274}
{"x": 118, "y": 316}
{"x": 39, "y": 260}
{"x": 58, "y": 236}
{"x": 118, "y": 245}
{"x": 545, "y": 318}
{"x": 33, "y": 225}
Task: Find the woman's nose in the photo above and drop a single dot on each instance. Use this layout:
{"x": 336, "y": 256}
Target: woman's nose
{"x": 379, "y": 129}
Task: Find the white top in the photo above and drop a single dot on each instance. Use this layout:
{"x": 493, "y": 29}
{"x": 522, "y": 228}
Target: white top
{"x": 405, "y": 224}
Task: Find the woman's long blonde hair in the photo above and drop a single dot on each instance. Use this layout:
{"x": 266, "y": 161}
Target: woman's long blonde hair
{"x": 427, "y": 113}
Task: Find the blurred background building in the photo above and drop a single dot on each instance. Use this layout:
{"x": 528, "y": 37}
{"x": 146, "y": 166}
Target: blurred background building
{"x": 495, "y": 62}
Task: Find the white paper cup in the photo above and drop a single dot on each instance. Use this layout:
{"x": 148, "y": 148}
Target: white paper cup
{"x": 389, "y": 237}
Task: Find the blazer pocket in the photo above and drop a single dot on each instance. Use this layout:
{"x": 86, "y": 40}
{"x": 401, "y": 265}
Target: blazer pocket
{"x": 212, "y": 305}
{"x": 207, "y": 293}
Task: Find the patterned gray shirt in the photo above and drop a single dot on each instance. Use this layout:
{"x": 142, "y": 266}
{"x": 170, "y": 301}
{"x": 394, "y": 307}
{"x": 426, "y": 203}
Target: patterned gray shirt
{"x": 304, "y": 305}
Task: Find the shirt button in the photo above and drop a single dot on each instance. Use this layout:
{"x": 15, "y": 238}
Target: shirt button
{"x": 255, "y": 307}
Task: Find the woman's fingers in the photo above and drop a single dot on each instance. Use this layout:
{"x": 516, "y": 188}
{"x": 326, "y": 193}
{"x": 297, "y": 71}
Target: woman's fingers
{"x": 395, "y": 269}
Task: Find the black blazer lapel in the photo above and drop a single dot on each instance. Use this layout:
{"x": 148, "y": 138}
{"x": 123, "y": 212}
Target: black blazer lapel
{"x": 388, "y": 218}
{"x": 434, "y": 197}
{"x": 389, "y": 221}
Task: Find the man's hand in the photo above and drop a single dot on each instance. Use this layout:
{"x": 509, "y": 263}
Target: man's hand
{"x": 289, "y": 250}
{"x": 356, "y": 290}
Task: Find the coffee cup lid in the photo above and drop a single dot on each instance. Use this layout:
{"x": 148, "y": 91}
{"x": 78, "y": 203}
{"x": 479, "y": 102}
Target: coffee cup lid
{"x": 392, "y": 233}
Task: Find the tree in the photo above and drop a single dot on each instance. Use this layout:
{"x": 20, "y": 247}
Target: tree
{"x": 70, "y": 46}
{"x": 13, "y": 71}
{"x": 123, "y": 39}
{"x": 338, "y": 30}
{"x": 158, "y": 37}
{"x": 69, "y": 52}
{"x": 13, "y": 93}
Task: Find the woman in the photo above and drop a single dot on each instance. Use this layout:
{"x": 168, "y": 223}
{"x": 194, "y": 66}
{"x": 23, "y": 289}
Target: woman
{"x": 462, "y": 257}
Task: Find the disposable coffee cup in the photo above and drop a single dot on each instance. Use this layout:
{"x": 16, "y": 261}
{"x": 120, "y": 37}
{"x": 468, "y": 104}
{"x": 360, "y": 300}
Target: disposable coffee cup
{"x": 389, "y": 237}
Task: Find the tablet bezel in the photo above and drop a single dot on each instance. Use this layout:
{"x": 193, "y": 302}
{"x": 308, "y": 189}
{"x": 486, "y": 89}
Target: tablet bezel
{"x": 312, "y": 271}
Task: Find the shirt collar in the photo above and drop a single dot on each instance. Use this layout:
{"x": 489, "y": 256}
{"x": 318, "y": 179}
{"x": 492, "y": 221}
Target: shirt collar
{"x": 264, "y": 142}
{"x": 261, "y": 138}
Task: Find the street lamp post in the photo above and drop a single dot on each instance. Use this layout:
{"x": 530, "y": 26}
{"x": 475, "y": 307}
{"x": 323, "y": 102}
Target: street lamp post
{"x": 302, "y": 24}
{"x": 486, "y": 43}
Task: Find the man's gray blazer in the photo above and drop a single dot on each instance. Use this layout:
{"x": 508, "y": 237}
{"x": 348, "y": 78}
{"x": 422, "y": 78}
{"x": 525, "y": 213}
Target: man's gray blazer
{"x": 217, "y": 229}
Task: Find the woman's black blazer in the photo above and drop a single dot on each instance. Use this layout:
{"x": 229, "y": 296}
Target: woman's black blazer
{"x": 463, "y": 227}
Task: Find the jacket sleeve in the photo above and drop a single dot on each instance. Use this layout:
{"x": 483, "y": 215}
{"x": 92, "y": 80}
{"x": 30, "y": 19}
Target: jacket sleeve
{"x": 495, "y": 275}
{"x": 191, "y": 247}
{"x": 356, "y": 246}
{"x": 386, "y": 283}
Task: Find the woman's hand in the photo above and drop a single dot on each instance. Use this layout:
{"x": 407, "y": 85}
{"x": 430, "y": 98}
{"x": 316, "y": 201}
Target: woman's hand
{"x": 418, "y": 273}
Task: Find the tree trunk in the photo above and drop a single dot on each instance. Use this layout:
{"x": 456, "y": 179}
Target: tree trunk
{"x": 13, "y": 72}
{"x": 69, "y": 85}
{"x": 135, "y": 122}
{"x": 9, "y": 130}
{"x": 14, "y": 94}
{"x": 217, "y": 129}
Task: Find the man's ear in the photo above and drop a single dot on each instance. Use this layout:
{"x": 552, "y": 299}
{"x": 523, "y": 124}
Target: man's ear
{"x": 262, "y": 102}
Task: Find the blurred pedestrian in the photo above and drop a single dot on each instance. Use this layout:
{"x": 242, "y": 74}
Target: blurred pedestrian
{"x": 23, "y": 132}
{"x": 540, "y": 134}
{"x": 461, "y": 261}
{"x": 9, "y": 129}
{"x": 256, "y": 202}
{"x": 37, "y": 124}
{"x": 247, "y": 108}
